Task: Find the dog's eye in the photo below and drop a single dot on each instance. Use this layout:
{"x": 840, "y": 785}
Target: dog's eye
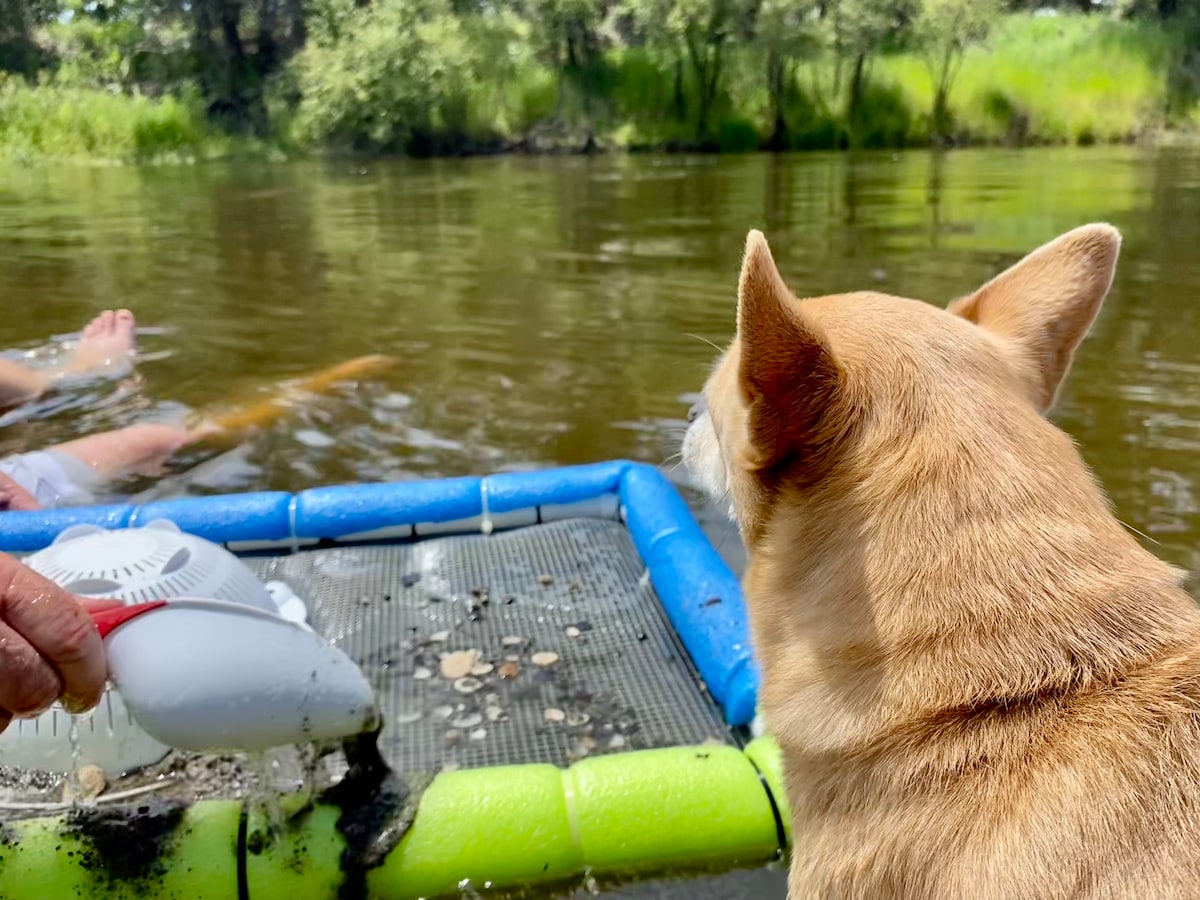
{"x": 694, "y": 412}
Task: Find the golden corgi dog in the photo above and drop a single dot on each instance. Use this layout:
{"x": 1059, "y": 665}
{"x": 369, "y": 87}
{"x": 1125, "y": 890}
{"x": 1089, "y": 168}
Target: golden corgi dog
{"x": 982, "y": 685}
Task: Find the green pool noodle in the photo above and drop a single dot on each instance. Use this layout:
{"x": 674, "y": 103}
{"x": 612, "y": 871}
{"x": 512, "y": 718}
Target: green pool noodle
{"x": 642, "y": 812}
{"x": 671, "y": 808}
{"x": 303, "y": 859}
{"x": 197, "y": 859}
{"x": 501, "y": 825}
{"x": 651, "y": 810}
{"x": 768, "y": 759}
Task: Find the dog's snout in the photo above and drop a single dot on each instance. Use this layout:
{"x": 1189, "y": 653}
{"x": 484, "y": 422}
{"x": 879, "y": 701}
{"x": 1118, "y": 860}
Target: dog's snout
{"x": 695, "y": 411}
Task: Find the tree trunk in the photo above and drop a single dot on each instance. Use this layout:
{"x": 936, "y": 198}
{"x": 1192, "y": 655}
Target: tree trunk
{"x": 680, "y": 100}
{"x": 777, "y": 85}
{"x": 856, "y": 86}
{"x": 700, "y": 64}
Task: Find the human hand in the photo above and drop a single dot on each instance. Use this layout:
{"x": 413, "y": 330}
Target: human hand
{"x": 49, "y": 647}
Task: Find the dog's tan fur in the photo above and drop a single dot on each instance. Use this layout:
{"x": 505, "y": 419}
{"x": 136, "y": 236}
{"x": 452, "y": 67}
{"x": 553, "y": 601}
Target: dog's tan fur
{"x": 982, "y": 685}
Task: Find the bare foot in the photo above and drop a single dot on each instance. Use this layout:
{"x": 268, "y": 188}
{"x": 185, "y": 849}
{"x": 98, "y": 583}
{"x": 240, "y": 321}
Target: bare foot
{"x": 107, "y": 341}
{"x": 14, "y": 497}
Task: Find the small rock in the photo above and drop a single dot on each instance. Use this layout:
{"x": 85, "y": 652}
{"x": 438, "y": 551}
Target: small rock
{"x": 616, "y": 742}
{"x": 545, "y": 580}
{"x": 512, "y": 641}
{"x": 91, "y": 784}
{"x": 407, "y": 718}
{"x": 553, "y": 714}
{"x": 467, "y": 685}
{"x": 459, "y": 663}
{"x": 481, "y": 669}
{"x": 453, "y": 737}
{"x": 510, "y": 669}
{"x": 478, "y": 734}
{"x": 469, "y": 720}
{"x": 410, "y": 578}
{"x": 576, "y": 587}
{"x": 420, "y": 673}
{"x": 440, "y": 637}
{"x": 576, "y": 719}
{"x": 495, "y": 714}
{"x": 544, "y": 659}
{"x": 573, "y": 632}
{"x": 443, "y": 712}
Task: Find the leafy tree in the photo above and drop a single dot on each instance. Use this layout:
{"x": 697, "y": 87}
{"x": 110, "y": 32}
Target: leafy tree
{"x": 567, "y": 37}
{"x": 945, "y": 29}
{"x": 697, "y": 31}
{"x": 18, "y": 20}
{"x": 789, "y": 31}
{"x": 861, "y": 29}
{"x": 384, "y": 76}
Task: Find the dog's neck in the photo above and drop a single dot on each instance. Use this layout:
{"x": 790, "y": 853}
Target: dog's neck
{"x": 957, "y": 577}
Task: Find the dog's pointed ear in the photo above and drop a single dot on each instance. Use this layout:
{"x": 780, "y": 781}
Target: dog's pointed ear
{"x": 787, "y": 371}
{"x": 1045, "y": 304}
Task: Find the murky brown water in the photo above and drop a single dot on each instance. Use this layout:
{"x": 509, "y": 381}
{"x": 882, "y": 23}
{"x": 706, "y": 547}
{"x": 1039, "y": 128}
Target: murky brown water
{"x": 541, "y": 309}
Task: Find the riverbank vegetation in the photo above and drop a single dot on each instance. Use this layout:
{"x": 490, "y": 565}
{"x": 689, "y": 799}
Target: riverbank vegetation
{"x": 165, "y": 79}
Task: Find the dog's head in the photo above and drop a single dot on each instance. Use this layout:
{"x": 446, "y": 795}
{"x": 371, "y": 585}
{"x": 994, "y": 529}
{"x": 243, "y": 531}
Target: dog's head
{"x": 822, "y": 389}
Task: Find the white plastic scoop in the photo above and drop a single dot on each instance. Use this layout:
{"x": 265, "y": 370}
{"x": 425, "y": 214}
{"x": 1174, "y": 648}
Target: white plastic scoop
{"x": 202, "y": 674}
{"x": 240, "y": 669}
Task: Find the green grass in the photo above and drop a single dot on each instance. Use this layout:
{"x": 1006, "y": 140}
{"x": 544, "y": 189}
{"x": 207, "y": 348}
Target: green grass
{"x": 1057, "y": 79}
{"x": 1049, "y": 79}
{"x": 57, "y": 122}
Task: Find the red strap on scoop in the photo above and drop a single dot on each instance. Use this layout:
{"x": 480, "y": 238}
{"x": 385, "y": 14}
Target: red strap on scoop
{"x": 108, "y": 619}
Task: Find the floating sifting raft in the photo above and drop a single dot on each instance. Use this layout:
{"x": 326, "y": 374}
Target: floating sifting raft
{"x": 563, "y": 650}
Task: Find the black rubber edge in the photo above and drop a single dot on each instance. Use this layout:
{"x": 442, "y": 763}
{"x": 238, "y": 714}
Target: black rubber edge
{"x": 780, "y": 832}
{"x": 243, "y": 876}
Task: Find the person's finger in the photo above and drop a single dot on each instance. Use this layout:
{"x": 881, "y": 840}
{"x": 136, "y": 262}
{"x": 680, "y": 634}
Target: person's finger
{"x": 98, "y": 604}
{"x": 5, "y": 719}
{"x": 57, "y": 626}
{"x": 28, "y": 684}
